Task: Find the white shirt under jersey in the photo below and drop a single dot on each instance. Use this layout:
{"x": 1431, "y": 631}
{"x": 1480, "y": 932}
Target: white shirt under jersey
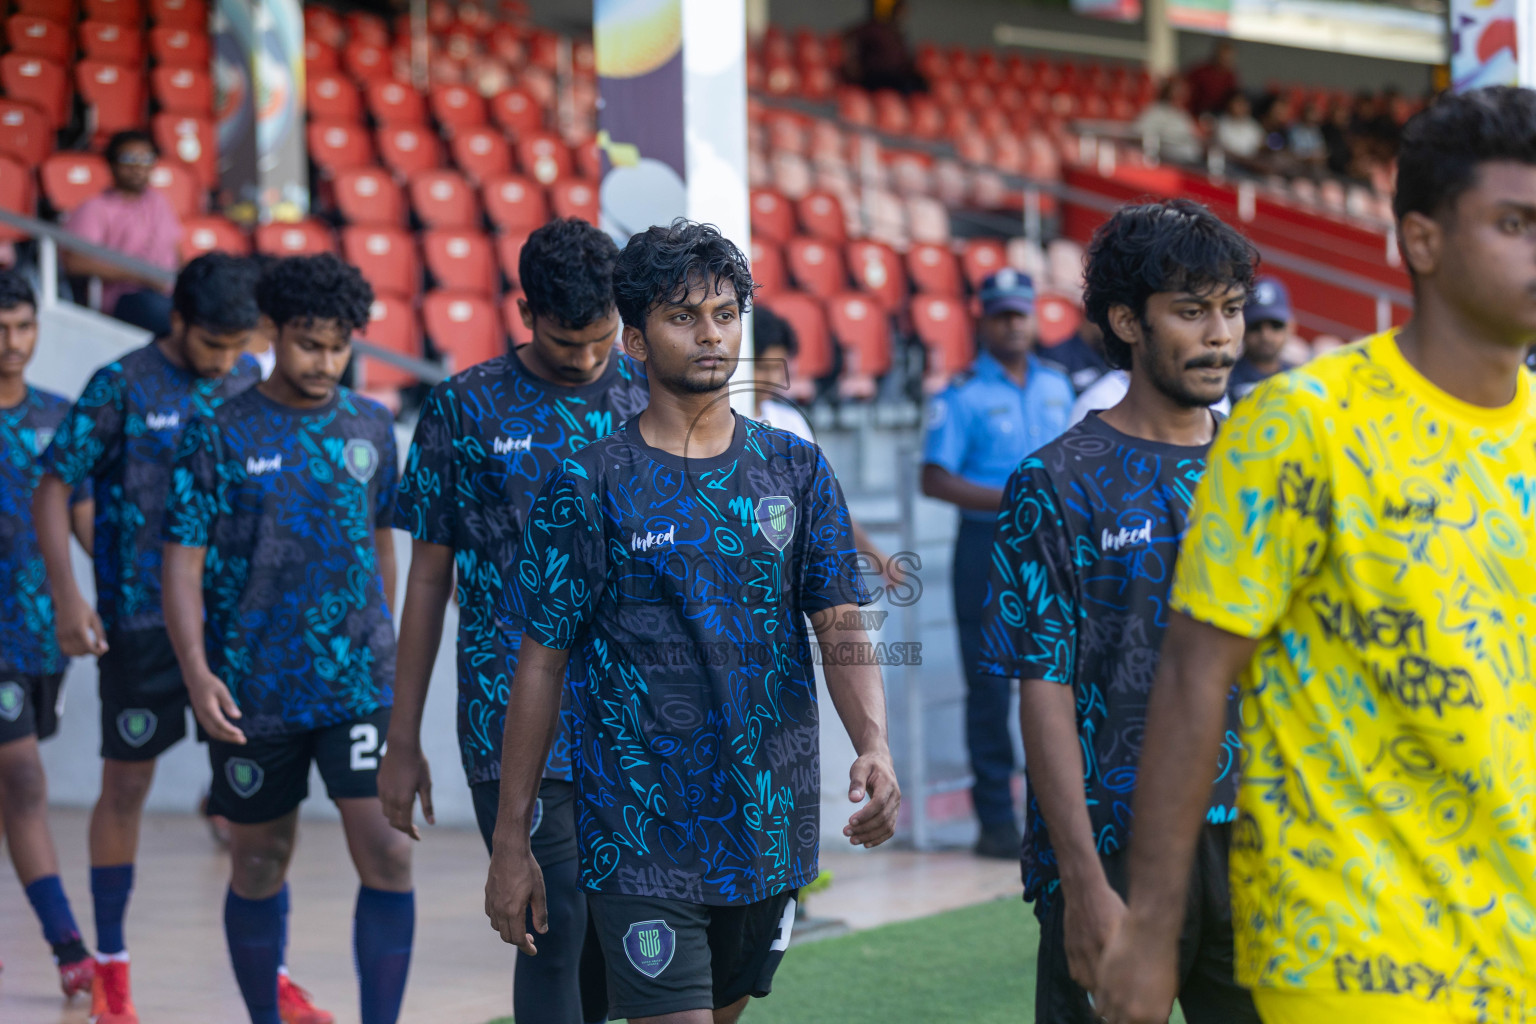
{"x": 785, "y": 417}
{"x": 1106, "y": 392}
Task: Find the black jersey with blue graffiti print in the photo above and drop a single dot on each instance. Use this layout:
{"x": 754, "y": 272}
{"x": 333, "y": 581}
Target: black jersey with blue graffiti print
{"x": 286, "y": 501}
{"x": 26, "y": 607}
{"x": 684, "y": 584}
{"x": 1082, "y": 564}
{"x": 487, "y": 440}
{"x": 122, "y": 435}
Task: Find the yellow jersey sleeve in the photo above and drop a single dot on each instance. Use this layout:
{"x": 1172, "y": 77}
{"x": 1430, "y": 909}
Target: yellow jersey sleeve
{"x": 1259, "y": 526}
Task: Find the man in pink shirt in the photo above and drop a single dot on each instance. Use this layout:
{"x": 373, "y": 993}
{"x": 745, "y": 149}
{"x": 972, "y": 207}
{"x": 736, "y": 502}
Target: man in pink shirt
{"x": 135, "y": 220}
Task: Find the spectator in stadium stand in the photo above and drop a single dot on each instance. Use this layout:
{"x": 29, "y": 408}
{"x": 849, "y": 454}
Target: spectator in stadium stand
{"x": 1239, "y": 136}
{"x": 135, "y": 220}
{"x": 978, "y": 429}
{"x": 1211, "y": 84}
{"x": 1166, "y": 128}
{"x": 1307, "y": 140}
{"x": 1337, "y": 137}
{"x": 1269, "y": 325}
{"x": 877, "y": 54}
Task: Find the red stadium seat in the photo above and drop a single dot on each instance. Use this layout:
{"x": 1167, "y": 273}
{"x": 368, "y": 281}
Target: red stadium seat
{"x": 862, "y": 330}
{"x": 34, "y": 36}
{"x": 212, "y": 234}
{"x": 512, "y": 320}
{"x": 392, "y": 325}
{"x": 337, "y": 146}
{"x": 934, "y": 269}
{"x": 193, "y": 141}
{"x": 981, "y": 258}
{"x": 386, "y": 257}
{"x": 395, "y": 103}
{"x": 772, "y": 216}
{"x": 324, "y": 24}
{"x": 768, "y": 271}
{"x": 121, "y": 12}
{"x": 39, "y": 82}
{"x": 574, "y": 197}
{"x": 456, "y": 106}
{"x": 370, "y": 28}
{"x": 114, "y": 94}
{"x": 180, "y": 189}
{"x": 443, "y": 199}
{"x": 517, "y": 112}
{"x": 543, "y": 157}
{"x": 481, "y": 153}
{"x": 61, "y": 11}
{"x": 821, "y": 214}
{"x": 179, "y": 47}
{"x": 409, "y": 150}
{"x": 70, "y": 178}
{"x": 300, "y": 238}
{"x": 333, "y": 97}
{"x": 460, "y": 261}
{"x": 365, "y": 61}
{"x": 25, "y": 133}
{"x": 809, "y": 320}
{"x": 368, "y": 195}
{"x": 1056, "y": 317}
{"x": 514, "y": 203}
{"x": 589, "y": 160}
{"x": 105, "y": 40}
{"x": 816, "y": 267}
{"x": 944, "y": 327}
{"x": 182, "y": 90}
{"x": 509, "y": 251}
{"x": 877, "y": 270}
{"x": 181, "y": 13}
{"x": 17, "y": 195}
{"x": 464, "y": 327}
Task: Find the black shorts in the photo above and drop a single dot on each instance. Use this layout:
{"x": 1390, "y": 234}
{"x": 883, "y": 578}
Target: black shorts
{"x": 553, "y": 838}
{"x": 266, "y": 778}
{"x": 144, "y": 703}
{"x": 669, "y": 956}
{"x": 30, "y": 705}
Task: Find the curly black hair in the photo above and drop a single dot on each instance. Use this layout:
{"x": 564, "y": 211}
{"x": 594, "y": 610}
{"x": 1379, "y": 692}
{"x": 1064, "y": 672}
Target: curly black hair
{"x": 15, "y": 291}
{"x": 1146, "y": 248}
{"x": 308, "y": 288}
{"x": 217, "y": 292}
{"x": 566, "y": 272}
{"x": 1444, "y": 144}
{"x": 129, "y": 137}
{"x": 663, "y": 264}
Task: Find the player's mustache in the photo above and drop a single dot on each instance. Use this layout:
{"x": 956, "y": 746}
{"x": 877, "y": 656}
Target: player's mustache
{"x": 1211, "y": 362}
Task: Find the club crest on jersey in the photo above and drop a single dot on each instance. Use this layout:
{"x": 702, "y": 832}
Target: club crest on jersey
{"x": 649, "y": 945}
{"x": 42, "y": 437}
{"x": 12, "y": 700}
{"x": 244, "y": 776}
{"x": 361, "y": 459}
{"x": 776, "y": 519}
{"x": 136, "y": 726}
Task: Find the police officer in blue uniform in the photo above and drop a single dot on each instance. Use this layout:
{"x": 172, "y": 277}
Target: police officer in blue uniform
{"x": 979, "y": 428}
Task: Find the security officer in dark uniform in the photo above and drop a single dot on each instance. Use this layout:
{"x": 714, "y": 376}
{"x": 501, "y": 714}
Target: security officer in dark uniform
{"x": 983, "y": 425}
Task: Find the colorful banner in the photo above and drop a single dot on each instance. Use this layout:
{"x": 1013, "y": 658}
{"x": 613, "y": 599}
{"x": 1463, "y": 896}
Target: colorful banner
{"x": 1108, "y": 10}
{"x": 1484, "y": 50}
{"x": 234, "y": 107}
{"x": 258, "y": 75}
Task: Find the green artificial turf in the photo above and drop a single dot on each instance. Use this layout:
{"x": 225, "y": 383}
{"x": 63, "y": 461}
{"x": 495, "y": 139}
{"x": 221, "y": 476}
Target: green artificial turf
{"x": 975, "y": 965}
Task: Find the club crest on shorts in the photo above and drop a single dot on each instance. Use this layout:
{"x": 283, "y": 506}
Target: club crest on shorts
{"x": 538, "y": 817}
{"x": 649, "y": 945}
{"x": 361, "y": 459}
{"x": 776, "y": 519}
{"x": 12, "y": 700}
{"x": 136, "y": 726}
{"x": 244, "y": 776}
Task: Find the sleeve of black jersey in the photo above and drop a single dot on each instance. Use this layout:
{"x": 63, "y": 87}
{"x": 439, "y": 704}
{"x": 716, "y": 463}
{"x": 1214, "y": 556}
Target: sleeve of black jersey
{"x": 1029, "y": 621}
{"x": 560, "y": 566}
{"x": 829, "y": 573}
{"x": 426, "y": 506}
{"x": 92, "y": 432}
{"x": 192, "y": 504}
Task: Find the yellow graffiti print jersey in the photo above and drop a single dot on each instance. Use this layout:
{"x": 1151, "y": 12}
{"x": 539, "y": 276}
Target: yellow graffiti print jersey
{"x": 1378, "y": 537}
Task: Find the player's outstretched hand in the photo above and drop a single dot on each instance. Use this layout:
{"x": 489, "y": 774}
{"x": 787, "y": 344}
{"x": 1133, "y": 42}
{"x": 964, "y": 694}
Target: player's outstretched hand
{"x": 874, "y": 776}
{"x": 80, "y": 630}
{"x": 1137, "y": 977}
{"x": 403, "y": 775}
{"x": 214, "y": 707}
{"x": 515, "y": 886}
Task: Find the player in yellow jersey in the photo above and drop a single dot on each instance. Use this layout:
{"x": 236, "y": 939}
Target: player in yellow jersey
{"x": 1362, "y": 555}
